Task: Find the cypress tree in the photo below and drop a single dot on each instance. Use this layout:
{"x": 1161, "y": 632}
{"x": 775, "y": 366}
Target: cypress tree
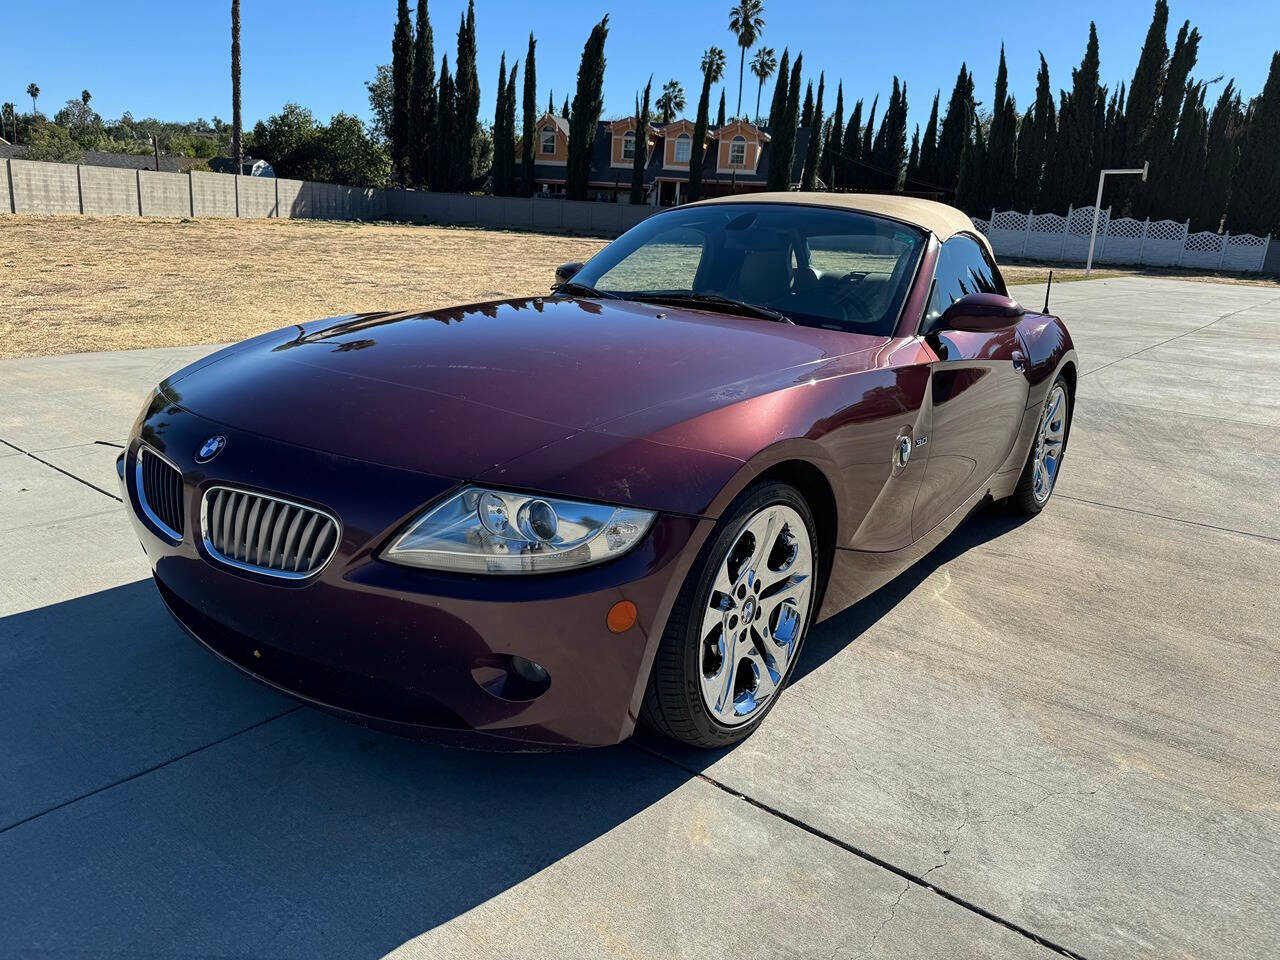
{"x": 778, "y": 106}
{"x": 954, "y": 135}
{"x": 642, "y": 146}
{"x": 1161, "y": 191}
{"x": 969, "y": 188}
{"x": 784, "y": 140}
{"x": 467, "y": 99}
{"x": 509, "y": 134}
{"x": 911, "y": 179}
{"x": 564, "y": 109}
{"x": 806, "y": 114}
{"x": 1255, "y": 202}
{"x": 1074, "y": 166}
{"x": 551, "y": 102}
{"x": 401, "y": 85}
{"x": 831, "y": 143}
{"x": 587, "y": 105}
{"x": 928, "y": 166}
{"x": 1144, "y": 90}
{"x": 1186, "y": 160}
{"x": 890, "y": 149}
{"x": 528, "y": 118}
{"x": 713, "y": 61}
{"x": 422, "y": 100}
{"x": 720, "y": 112}
{"x": 809, "y": 179}
{"x": 1035, "y": 143}
{"x": 498, "y": 175}
{"x": 442, "y": 177}
{"x": 1220, "y": 163}
{"x": 867, "y": 176}
{"x": 851, "y": 152}
{"x": 1022, "y": 156}
{"x": 998, "y": 172}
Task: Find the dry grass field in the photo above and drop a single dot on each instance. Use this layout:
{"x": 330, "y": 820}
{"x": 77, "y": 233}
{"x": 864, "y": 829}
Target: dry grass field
{"x": 73, "y": 284}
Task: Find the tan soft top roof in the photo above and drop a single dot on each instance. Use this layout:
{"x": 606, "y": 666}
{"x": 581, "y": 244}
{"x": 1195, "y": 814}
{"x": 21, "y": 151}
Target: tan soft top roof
{"x": 938, "y": 218}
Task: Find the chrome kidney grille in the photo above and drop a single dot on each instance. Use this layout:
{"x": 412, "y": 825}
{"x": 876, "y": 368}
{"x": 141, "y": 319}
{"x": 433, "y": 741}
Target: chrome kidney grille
{"x": 159, "y": 488}
{"x": 267, "y": 535}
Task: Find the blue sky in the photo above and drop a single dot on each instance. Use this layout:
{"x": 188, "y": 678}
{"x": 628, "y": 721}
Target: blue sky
{"x": 174, "y": 65}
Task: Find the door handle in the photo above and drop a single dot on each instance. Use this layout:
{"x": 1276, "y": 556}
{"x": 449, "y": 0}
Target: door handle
{"x": 1019, "y": 360}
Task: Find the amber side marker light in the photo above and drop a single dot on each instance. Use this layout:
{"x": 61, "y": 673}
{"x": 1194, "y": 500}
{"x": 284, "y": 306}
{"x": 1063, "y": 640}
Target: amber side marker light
{"x": 622, "y": 616}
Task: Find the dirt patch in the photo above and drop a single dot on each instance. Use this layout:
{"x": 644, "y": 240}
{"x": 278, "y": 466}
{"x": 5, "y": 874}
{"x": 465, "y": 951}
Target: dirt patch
{"x": 72, "y": 284}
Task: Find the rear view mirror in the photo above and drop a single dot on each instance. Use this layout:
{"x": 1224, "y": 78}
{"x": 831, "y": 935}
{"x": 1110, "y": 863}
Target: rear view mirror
{"x": 981, "y": 313}
{"x": 566, "y": 271}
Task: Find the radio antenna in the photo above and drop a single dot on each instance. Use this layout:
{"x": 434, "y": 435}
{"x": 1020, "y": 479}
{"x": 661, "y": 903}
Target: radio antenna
{"x": 1047, "y": 287}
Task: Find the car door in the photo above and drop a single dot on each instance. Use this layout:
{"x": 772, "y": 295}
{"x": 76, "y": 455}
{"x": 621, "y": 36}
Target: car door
{"x": 978, "y": 388}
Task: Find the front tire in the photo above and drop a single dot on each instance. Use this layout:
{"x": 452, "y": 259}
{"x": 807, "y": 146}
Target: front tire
{"x": 737, "y": 626}
{"x": 1044, "y": 460}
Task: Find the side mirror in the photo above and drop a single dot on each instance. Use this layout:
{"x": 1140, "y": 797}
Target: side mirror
{"x": 566, "y": 271}
{"x": 981, "y": 313}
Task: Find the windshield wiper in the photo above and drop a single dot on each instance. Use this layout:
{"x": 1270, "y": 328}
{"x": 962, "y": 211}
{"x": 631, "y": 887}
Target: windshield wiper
{"x": 715, "y": 300}
{"x": 583, "y": 290}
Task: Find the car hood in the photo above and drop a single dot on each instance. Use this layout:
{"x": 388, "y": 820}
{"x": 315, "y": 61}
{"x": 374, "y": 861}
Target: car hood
{"x": 461, "y": 391}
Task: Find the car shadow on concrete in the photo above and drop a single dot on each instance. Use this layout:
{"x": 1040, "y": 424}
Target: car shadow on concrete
{"x": 156, "y": 802}
{"x": 212, "y": 815}
{"x": 833, "y": 636}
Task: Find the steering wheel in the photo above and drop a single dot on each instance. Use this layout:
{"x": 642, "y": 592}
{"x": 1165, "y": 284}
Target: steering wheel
{"x": 845, "y": 296}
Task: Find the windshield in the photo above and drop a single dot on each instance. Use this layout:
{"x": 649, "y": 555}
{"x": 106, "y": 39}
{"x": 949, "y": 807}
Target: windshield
{"x": 816, "y": 266}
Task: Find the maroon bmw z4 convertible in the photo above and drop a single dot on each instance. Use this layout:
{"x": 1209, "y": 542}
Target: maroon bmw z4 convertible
{"x": 534, "y": 522}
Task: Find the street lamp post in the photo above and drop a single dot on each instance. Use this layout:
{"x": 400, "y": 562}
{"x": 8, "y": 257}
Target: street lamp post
{"x": 1097, "y": 207}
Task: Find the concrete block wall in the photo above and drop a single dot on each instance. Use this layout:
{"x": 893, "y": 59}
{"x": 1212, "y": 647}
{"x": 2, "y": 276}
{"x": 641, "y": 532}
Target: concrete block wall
{"x": 44, "y": 187}
{"x": 213, "y": 194}
{"x": 164, "y": 194}
{"x": 257, "y": 196}
{"x": 109, "y": 191}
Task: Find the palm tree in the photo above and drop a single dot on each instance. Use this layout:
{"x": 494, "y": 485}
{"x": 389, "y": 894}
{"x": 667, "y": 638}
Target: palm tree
{"x": 85, "y": 97}
{"x": 746, "y": 21}
{"x": 672, "y": 101}
{"x": 33, "y": 92}
{"x": 237, "y": 146}
{"x": 763, "y": 65}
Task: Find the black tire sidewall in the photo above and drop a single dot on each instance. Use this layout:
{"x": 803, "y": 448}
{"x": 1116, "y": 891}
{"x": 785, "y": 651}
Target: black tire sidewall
{"x": 751, "y": 502}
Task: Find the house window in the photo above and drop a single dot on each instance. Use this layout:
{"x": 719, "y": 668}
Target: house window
{"x": 629, "y": 146}
{"x": 683, "y": 146}
{"x": 548, "y": 141}
{"x": 738, "y": 151}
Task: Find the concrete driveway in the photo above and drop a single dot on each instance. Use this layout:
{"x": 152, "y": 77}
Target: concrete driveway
{"x": 1058, "y": 737}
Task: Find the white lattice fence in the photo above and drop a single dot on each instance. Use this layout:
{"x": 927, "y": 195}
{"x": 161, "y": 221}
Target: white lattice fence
{"x": 1122, "y": 242}
{"x": 1244, "y": 252}
{"x": 1050, "y": 236}
{"x": 1164, "y": 242}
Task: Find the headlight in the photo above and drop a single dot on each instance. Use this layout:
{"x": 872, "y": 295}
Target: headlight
{"x": 479, "y": 530}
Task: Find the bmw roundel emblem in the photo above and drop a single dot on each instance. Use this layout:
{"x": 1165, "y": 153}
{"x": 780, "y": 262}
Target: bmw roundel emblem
{"x": 210, "y": 449}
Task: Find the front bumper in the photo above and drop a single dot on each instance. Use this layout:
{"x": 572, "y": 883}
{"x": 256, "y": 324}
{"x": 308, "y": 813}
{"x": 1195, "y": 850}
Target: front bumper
{"x": 398, "y": 648}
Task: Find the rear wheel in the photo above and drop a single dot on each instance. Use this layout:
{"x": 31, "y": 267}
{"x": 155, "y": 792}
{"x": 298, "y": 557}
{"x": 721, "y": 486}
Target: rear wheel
{"x": 1044, "y": 461}
{"x": 738, "y": 624}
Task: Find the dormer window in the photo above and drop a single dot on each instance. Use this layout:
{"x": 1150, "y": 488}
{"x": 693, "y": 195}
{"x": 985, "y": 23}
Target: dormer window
{"x": 684, "y": 145}
{"x": 547, "y": 140}
{"x": 738, "y": 151}
{"x": 629, "y": 146}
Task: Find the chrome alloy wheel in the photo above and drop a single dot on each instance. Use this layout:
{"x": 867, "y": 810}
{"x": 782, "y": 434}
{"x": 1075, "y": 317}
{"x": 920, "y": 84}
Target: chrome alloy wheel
{"x": 755, "y": 614}
{"x": 1050, "y": 439}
